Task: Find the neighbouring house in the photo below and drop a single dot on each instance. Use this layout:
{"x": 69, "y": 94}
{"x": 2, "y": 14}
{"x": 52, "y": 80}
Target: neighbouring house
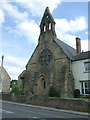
{"x": 81, "y": 72}
{"x": 53, "y": 63}
{"x": 4, "y": 79}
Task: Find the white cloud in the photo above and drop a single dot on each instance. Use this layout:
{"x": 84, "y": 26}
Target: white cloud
{"x": 70, "y": 40}
{"x": 12, "y": 10}
{"x": 73, "y": 26}
{"x": 2, "y": 19}
{"x": 62, "y": 25}
{"x": 29, "y": 30}
{"x": 16, "y": 61}
{"x": 36, "y": 7}
{"x": 14, "y": 65}
{"x": 85, "y": 45}
{"x": 75, "y": 0}
{"x": 79, "y": 24}
{"x": 65, "y": 28}
{"x": 13, "y": 71}
{"x": 67, "y": 38}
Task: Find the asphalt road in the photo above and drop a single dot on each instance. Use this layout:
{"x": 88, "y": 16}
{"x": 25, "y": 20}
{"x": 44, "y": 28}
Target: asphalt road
{"x": 20, "y": 111}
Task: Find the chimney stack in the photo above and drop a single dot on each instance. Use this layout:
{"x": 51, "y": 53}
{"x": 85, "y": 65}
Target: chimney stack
{"x": 78, "y": 45}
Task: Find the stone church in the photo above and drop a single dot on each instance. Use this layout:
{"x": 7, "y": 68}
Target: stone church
{"x": 50, "y": 63}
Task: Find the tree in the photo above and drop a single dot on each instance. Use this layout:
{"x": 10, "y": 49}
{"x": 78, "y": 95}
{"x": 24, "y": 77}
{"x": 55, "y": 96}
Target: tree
{"x": 13, "y": 83}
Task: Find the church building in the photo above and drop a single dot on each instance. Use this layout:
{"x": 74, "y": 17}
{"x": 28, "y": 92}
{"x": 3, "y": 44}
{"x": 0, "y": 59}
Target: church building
{"x": 50, "y": 63}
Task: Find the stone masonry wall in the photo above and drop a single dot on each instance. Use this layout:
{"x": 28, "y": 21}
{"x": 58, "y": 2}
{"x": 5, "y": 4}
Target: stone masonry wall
{"x": 67, "y": 104}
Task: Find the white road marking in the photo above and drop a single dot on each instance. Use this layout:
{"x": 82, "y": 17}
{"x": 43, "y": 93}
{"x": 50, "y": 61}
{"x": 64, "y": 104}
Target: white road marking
{"x": 39, "y": 118}
{"x": 35, "y": 117}
{"x": 6, "y": 111}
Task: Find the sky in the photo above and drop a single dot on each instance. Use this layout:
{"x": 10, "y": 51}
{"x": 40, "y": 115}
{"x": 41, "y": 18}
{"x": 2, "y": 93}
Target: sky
{"x": 19, "y": 28}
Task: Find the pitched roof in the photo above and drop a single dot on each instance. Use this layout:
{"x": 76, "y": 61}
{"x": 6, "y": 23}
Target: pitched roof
{"x": 2, "y": 69}
{"x": 82, "y": 56}
{"x": 23, "y": 75}
{"x": 68, "y": 50}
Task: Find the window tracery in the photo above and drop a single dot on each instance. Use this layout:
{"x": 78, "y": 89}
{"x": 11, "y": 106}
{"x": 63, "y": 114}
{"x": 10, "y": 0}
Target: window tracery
{"x": 45, "y": 57}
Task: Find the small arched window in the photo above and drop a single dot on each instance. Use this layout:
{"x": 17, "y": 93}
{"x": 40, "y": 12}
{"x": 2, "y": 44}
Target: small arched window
{"x": 49, "y": 26}
{"x": 44, "y": 84}
{"x": 47, "y": 16}
{"x": 44, "y": 28}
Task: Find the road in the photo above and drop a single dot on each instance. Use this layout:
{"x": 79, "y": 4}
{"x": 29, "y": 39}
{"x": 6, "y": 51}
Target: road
{"x": 12, "y": 110}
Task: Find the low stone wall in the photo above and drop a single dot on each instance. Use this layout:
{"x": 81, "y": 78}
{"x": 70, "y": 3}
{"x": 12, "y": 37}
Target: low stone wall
{"x": 68, "y": 104}
{"x": 5, "y": 96}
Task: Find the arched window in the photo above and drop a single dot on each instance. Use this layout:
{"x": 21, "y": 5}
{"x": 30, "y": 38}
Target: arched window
{"x": 47, "y": 16}
{"x": 44, "y": 84}
{"x": 49, "y": 26}
{"x": 44, "y": 28}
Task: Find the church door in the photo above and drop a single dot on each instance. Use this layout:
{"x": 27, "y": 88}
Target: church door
{"x": 41, "y": 86}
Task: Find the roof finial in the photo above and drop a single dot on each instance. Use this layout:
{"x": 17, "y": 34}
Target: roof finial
{"x": 2, "y": 60}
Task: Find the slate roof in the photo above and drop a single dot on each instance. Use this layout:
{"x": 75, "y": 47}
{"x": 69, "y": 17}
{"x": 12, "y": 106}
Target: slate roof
{"x": 71, "y": 52}
{"x": 82, "y": 56}
{"x": 23, "y": 75}
{"x": 68, "y": 50}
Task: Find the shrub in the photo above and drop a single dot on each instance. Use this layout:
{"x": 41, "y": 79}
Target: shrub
{"x": 16, "y": 90}
{"x": 76, "y": 93}
{"x": 53, "y": 92}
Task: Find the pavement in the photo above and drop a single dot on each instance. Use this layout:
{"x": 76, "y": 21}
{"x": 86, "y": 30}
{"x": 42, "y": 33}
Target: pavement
{"x": 51, "y": 109}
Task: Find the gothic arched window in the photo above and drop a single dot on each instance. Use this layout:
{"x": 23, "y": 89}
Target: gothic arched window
{"x": 45, "y": 57}
{"x": 44, "y": 28}
{"x": 49, "y": 26}
{"x": 44, "y": 84}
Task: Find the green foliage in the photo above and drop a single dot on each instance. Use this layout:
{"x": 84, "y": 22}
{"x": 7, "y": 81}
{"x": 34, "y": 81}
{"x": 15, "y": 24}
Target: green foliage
{"x": 76, "y": 93}
{"x": 31, "y": 91}
{"x": 16, "y": 90}
{"x": 13, "y": 83}
{"x": 53, "y": 92}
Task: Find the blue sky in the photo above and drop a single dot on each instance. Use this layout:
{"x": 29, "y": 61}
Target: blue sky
{"x": 19, "y": 28}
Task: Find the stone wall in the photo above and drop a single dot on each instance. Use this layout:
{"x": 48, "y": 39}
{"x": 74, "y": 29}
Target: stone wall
{"x": 76, "y": 105}
{"x": 68, "y": 104}
{"x": 5, "y": 96}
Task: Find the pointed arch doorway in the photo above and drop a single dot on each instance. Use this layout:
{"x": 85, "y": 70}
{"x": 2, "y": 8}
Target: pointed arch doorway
{"x": 41, "y": 88}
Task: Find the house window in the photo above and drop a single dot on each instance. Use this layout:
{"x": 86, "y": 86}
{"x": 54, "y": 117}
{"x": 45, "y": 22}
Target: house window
{"x": 87, "y": 66}
{"x": 85, "y": 87}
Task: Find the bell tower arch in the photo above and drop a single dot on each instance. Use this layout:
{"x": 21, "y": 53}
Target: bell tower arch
{"x": 47, "y": 26}
{"x": 47, "y": 22}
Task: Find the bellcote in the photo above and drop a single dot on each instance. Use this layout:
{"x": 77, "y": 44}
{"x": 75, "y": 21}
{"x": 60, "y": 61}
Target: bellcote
{"x": 47, "y": 22}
